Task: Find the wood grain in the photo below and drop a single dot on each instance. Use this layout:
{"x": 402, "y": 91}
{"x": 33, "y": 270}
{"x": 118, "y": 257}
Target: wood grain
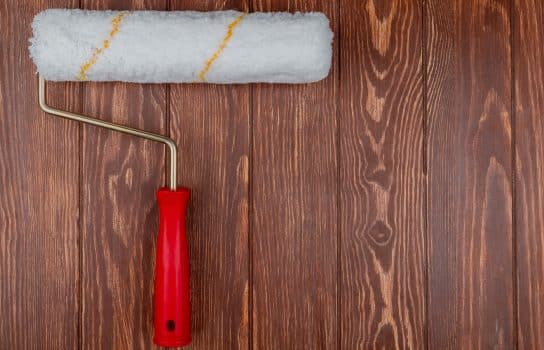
{"x": 371, "y": 210}
{"x": 529, "y": 199}
{"x": 39, "y": 208}
{"x": 210, "y": 123}
{"x": 471, "y": 292}
{"x": 294, "y": 206}
{"x": 382, "y": 176}
{"x": 120, "y": 177}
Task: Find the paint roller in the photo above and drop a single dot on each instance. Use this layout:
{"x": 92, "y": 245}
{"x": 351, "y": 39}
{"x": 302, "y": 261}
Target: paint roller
{"x": 175, "y": 47}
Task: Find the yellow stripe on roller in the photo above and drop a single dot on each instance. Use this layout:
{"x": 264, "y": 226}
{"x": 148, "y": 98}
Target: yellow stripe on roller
{"x": 219, "y": 51}
{"x": 115, "y": 24}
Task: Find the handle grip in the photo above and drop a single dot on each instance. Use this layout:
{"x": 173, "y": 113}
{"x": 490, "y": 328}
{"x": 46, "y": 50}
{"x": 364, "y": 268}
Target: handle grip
{"x": 172, "y": 316}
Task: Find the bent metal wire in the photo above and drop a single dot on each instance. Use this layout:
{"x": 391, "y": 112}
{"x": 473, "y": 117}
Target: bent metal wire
{"x": 168, "y": 142}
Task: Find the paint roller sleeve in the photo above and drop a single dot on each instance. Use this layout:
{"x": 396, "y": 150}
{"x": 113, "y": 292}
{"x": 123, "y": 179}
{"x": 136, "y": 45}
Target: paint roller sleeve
{"x": 181, "y": 46}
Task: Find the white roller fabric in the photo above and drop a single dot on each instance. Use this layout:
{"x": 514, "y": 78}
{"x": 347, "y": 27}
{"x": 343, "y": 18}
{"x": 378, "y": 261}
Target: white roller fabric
{"x": 181, "y": 46}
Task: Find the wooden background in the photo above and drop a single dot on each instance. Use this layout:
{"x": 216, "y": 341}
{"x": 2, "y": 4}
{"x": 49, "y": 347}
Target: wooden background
{"x": 396, "y": 204}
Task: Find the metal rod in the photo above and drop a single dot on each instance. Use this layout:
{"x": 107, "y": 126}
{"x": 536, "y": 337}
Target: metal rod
{"x": 170, "y": 144}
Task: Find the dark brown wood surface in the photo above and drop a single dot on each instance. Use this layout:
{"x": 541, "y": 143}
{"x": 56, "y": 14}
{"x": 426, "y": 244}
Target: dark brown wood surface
{"x": 210, "y": 123}
{"x": 529, "y": 136}
{"x": 39, "y": 197}
{"x": 469, "y": 157}
{"x": 396, "y": 204}
{"x": 294, "y": 206}
{"x": 382, "y": 183}
{"x": 120, "y": 175}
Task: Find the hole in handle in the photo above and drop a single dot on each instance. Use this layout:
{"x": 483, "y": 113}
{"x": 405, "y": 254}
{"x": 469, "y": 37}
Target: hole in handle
{"x": 170, "y": 325}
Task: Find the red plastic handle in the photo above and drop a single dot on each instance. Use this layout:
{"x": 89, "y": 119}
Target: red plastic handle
{"x": 172, "y": 317}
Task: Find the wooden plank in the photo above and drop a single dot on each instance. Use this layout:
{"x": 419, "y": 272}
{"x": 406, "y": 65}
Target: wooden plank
{"x": 294, "y": 206}
{"x": 471, "y": 292}
{"x": 529, "y": 199}
{"x": 120, "y": 177}
{"x": 382, "y": 175}
{"x": 39, "y": 204}
{"x": 210, "y": 123}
